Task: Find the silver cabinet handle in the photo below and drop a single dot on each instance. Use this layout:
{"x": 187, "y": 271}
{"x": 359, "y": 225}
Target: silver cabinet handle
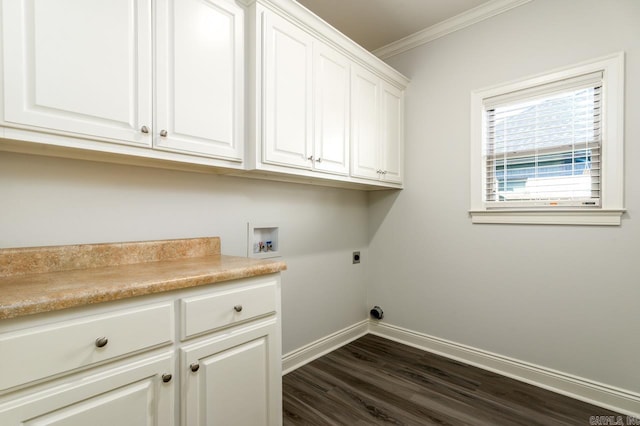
{"x": 310, "y": 158}
{"x": 238, "y": 308}
{"x": 166, "y": 377}
{"x": 144, "y": 129}
{"x": 194, "y": 367}
{"x": 319, "y": 160}
{"x": 101, "y": 342}
{"x": 163, "y": 133}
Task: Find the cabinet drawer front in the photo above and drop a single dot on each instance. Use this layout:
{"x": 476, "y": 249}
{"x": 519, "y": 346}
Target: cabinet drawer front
{"x": 40, "y": 352}
{"x": 209, "y": 312}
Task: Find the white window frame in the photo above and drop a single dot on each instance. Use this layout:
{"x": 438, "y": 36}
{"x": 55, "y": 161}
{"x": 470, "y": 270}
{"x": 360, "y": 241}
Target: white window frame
{"x": 612, "y": 177}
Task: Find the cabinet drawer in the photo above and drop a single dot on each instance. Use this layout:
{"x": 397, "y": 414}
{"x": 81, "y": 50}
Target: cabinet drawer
{"x": 43, "y": 351}
{"x": 227, "y": 307}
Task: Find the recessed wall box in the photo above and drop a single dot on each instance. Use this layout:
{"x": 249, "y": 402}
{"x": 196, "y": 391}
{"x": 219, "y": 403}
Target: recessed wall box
{"x": 262, "y": 241}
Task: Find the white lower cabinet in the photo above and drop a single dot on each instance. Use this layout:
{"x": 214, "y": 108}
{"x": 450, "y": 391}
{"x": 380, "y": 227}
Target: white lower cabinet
{"x": 135, "y": 362}
{"x": 132, "y": 394}
{"x": 231, "y": 379}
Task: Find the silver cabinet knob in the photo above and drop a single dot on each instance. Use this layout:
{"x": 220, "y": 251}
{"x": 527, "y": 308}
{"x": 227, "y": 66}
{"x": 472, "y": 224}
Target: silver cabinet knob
{"x": 144, "y": 129}
{"x": 194, "y": 367}
{"x": 238, "y": 308}
{"x": 163, "y": 133}
{"x": 166, "y": 378}
{"x": 310, "y": 158}
{"x": 319, "y": 160}
{"x": 101, "y": 342}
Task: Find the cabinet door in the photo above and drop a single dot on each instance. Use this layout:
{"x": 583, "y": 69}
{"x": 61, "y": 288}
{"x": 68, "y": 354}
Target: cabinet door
{"x": 200, "y": 78}
{"x": 129, "y": 395}
{"x": 392, "y": 133}
{"x": 331, "y": 110}
{"x": 237, "y": 379}
{"x": 365, "y": 129}
{"x": 78, "y": 66}
{"x": 287, "y": 97}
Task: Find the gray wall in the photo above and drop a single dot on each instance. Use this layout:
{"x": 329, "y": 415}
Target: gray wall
{"x": 562, "y": 297}
{"x": 50, "y": 201}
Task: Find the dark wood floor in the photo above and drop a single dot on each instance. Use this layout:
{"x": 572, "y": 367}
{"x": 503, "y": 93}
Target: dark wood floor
{"x": 374, "y": 381}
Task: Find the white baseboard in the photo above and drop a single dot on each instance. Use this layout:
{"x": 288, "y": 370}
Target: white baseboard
{"x": 619, "y": 400}
{"x": 299, "y": 357}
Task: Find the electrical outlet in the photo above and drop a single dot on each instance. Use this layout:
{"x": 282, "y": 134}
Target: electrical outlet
{"x": 356, "y": 257}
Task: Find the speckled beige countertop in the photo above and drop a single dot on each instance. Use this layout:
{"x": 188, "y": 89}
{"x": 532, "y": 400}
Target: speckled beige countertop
{"x": 42, "y": 279}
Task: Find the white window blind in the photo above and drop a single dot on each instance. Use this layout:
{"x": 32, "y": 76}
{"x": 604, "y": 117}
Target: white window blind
{"x": 542, "y": 145}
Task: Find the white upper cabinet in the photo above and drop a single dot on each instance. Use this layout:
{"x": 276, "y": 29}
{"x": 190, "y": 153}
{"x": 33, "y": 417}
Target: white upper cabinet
{"x": 365, "y": 107}
{"x": 331, "y": 110}
{"x": 392, "y": 133}
{"x": 79, "y": 66}
{"x": 305, "y": 101}
{"x": 377, "y": 109}
{"x": 287, "y": 89}
{"x": 200, "y": 77}
{"x": 86, "y": 68}
{"x": 324, "y": 108}
{"x": 259, "y": 88}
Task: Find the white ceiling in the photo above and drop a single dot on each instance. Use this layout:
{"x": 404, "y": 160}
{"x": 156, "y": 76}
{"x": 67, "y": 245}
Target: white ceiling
{"x": 376, "y": 23}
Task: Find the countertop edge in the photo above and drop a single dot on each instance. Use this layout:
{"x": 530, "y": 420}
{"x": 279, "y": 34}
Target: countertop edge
{"x": 88, "y": 295}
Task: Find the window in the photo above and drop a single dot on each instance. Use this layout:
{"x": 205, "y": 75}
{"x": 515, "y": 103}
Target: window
{"x": 544, "y": 149}
{"x": 548, "y": 149}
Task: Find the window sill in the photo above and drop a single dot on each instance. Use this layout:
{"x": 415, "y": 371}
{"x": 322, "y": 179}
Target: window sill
{"x": 546, "y": 217}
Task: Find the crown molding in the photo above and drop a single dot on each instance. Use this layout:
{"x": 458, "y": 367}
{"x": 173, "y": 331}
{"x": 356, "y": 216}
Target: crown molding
{"x": 458, "y": 22}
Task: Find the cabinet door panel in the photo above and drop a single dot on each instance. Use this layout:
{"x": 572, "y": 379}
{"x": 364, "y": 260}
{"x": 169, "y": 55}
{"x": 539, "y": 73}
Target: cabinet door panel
{"x": 237, "y": 398}
{"x": 331, "y": 121}
{"x": 80, "y": 66}
{"x": 392, "y": 122}
{"x": 131, "y": 395}
{"x": 287, "y": 93}
{"x": 123, "y": 406}
{"x": 238, "y": 381}
{"x": 200, "y": 77}
{"x": 365, "y": 140}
